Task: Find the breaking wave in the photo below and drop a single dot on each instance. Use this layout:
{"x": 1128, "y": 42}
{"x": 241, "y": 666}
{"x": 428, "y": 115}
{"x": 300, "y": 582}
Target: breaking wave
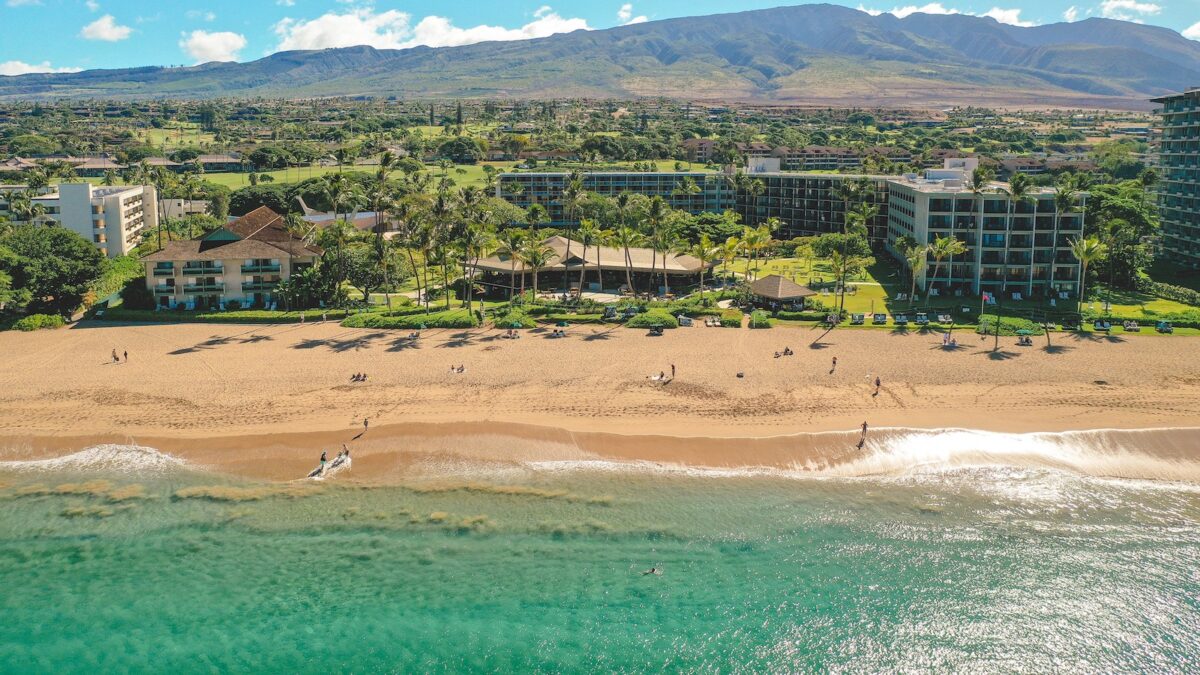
{"x": 108, "y": 458}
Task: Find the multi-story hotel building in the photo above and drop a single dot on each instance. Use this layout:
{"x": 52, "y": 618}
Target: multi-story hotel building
{"x": 113, "y": 218}
{"x": 716, "y": 193}
{"x": 244, "y": 261}
{"x": 1022, "y": 248}
{"x": 805, "y": 204}
{"x": 1178, "y": 138}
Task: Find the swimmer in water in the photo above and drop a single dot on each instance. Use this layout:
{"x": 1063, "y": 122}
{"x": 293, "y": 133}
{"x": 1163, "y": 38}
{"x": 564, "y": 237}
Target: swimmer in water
{"x": 652, "y": 570}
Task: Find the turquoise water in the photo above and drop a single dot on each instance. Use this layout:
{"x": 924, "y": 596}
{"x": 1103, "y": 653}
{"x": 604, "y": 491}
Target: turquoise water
{"x": 987, "y": 569}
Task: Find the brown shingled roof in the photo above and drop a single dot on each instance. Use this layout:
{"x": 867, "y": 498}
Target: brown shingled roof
{"x": 776, "y": 287}
{"x": 263, "y": 235}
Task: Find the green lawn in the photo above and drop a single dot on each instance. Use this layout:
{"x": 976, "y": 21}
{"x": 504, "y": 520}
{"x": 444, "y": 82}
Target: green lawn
{"x": 472, "y": 174}
{"x": 176, "y": 136}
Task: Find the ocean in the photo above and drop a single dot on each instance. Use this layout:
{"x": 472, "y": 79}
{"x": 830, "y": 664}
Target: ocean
{"x": 915, "y": 559}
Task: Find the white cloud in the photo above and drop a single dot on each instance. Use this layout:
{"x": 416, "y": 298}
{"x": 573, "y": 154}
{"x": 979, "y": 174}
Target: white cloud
{"x": 393, "y": 29}
{"x": 1009, "y": 16}
{"x": 1071, "y": 14}
{"x": 626, "y": 17}
{"x": 205, "y": 46}
{"x": 197, "y": 14}
{"x": 286, "y": 3}
{"x": 22, "y": 68}
{"x": 1127, "y": 10}
{"x": 22, "y": 3}
{"x": 1193, "y": 32}
{"x": 107, "y": 29}
{"x": 92, "y": 5}
{"x": 907, "y": 10}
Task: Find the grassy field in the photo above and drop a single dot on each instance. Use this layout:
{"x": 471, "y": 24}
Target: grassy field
{"x": 462, "y": 174}
{"x": 876, "y": 288}
{"x": 176, "y": 136}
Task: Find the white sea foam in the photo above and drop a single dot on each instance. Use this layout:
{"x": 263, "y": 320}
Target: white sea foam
{"x": 111, "y": 458}
{"x": 1154, "y": 454}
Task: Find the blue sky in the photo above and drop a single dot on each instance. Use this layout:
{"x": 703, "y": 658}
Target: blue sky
{"x": 48, "y": 35}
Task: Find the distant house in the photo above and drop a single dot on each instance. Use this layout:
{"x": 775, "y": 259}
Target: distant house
{"x": 221, "y": 163}
{"x": 244, "y": 261}
{"x": 95, "y": 167}
{"x": 699, "y": 150}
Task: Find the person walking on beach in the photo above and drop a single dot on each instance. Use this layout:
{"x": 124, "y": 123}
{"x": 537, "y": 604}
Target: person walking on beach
{"x": 877, "y": 385}
{"x": 126, "y": 356}
{"x": 364, "y": 424}
{"x": 116, "y": 359}
{"x": 323, "y": 458}
{"x": 834, "y": 366}
{"x": 672, "y": 371}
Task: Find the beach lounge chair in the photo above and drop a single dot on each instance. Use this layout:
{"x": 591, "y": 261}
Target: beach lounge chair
{"x": 900, "y": 319}
{"x": 656, "y": 331}
{"x": 879, "y": 319}
{"x": 609, "y": 313}
{"x": 1131, "y": 327}
{"x": 1016, "y": 297}
{"x": 684, "y": 320}
{"x": 901, "y": 297}
{"x": 922, "y": 319}
{"x": 857, "y": 319}
{"x": 1164, "y": 327}
{"x": 945, "y": 318}
{"x": 1101, "y": 326}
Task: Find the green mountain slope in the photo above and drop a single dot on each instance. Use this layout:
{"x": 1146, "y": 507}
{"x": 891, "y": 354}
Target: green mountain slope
{"x": 819, "y": 54}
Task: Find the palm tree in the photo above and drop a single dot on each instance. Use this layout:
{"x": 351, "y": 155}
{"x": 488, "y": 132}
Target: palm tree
{"x": 705, "y": 251}
{"x": 536, "y": 255}
{"x": 573, "y": 195}
{"x": 916, "y": 257}
{"x": 941, "y": 248}
{"x": 1065, "y": 195}
{"x": 477, "y": 242}
{"x": 1018, "y": 192}
{"x": 588, "y": 232}
{"x": 753, "y": 241}
{"x": 981, "y": 178}
{"x": 656, "y": 214}
{"x": 1086, "y": 251}
{"x": 729, "y": 252}
{"x": 627, "y": 237}
{"x": 510, "y": 242}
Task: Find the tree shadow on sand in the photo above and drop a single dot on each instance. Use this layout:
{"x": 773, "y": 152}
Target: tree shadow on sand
{"x": 999, "y": 354}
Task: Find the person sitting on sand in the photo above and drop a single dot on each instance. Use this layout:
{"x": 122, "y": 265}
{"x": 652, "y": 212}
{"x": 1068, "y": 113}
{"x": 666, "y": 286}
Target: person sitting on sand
{"x": 462, "y": 368}
{"x": 777, "y": 354}
{"x": 787, "y": 351}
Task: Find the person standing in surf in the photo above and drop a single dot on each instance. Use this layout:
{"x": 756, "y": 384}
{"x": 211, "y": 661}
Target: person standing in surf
{"x": 323, "y": 459}
{"x": 863, "y": 439}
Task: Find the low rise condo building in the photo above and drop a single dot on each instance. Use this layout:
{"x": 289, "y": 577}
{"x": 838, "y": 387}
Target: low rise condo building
{"x": 241, "y": 262}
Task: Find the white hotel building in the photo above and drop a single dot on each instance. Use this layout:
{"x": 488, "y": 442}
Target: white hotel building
{"x": 112, "y": 218}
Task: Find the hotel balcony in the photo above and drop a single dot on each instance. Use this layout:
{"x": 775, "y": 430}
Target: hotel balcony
{"x": 197, "y": 270}
{"x": 204, "y": 288}
{"x": 164, "y": 290}
{"x": 164, "y": 272}
{"x": 260, "y": 269}
{"x": 252, "y": 286}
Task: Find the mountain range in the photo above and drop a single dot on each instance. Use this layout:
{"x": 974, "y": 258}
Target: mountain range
{"x": 822, "y": 55}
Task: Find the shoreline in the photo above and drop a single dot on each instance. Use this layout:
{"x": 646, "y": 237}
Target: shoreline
{"x": 420, "y": 450}
{"x": 263, "y": 401}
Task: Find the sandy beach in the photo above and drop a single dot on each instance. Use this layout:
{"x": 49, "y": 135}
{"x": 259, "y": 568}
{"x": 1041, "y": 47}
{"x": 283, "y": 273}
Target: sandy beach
{"x": 262, "y": 400}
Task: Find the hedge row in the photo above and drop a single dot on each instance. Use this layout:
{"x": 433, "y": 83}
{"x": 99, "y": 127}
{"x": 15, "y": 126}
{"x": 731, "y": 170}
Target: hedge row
{"x": 455, "y": 318}
{"x": 231, "y": 316}
{"x": 1189, "y": 320}
{"x": 39, "y": 321}
{"x": 1170, "y": 291}
{"x": 1009, "y": 326}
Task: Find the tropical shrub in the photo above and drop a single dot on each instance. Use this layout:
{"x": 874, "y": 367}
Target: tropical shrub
{"x": 455, "y": 318}
{"x": 759, "y": 319}
{"x": 731, "y": 318}
{"x": 651, "y": 318}
{"x": 39, "y": 321}
{"x": 1008, "y": 326}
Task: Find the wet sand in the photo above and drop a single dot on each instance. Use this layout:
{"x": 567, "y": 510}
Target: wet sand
{"x": 263, "y": 400}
